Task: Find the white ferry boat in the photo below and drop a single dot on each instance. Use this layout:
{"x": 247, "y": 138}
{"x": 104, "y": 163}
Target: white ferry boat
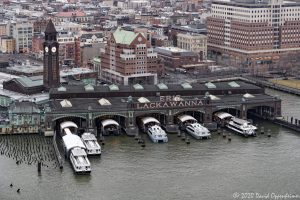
{"x": 156, "y": 134}
{"x": 91, "y": 144}
{"x": 198, "y": 131}
{"x": 242, "y": 127}
{"x": 191, "y": 126}
{"x": 75, "y": 151}
{"x": 79, "y": 160}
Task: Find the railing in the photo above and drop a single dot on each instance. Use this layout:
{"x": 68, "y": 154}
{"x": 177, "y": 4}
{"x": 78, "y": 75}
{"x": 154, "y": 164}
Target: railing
{"x": 60, "y": 159}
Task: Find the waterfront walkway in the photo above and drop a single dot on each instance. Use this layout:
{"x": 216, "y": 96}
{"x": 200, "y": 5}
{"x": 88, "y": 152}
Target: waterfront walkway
{"x": 265, "y": 83}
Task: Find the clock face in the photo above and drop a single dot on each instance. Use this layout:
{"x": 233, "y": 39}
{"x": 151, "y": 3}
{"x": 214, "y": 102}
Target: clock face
{"x": 139, "y": 39}
{"x": 53, "y": 49}
{"x": 46, "y": 49}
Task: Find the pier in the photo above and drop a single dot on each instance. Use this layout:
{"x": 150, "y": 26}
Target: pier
{"x": 290, "y": 125}
{"x": 60, "y": 159}
{"x": 264, "y": 83}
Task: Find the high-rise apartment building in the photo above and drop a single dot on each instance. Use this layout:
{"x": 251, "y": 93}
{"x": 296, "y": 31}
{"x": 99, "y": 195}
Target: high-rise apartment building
{"x": 254, "y": 33}
{"x": 129, "y": 59}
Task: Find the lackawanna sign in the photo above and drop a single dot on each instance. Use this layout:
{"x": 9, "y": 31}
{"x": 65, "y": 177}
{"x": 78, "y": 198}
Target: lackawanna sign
{"x": 169, "y": 104}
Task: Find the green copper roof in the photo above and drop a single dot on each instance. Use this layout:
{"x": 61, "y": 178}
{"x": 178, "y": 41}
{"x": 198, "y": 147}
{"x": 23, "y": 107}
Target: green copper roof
{"x": 124, "y": 37}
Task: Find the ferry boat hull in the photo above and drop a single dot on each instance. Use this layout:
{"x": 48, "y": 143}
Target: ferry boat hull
{"x": 245, "y": 133}
{"x": 198, "y": 131}
{"x": 81, "y": 170}
{"x": 157, "y": 140}
{"x": 199, "y": 137}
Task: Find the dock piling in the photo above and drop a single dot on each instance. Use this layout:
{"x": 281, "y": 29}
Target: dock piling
{"x": 39, "y": 166}
{"x": 269, "y": 133}
{"x": 262, "y": 130}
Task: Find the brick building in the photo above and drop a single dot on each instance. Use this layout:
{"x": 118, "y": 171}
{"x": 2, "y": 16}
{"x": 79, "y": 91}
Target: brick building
{"x": 129, "y": 59}
{"x": 174, "y": 57}
{"x": 254, "y": 34}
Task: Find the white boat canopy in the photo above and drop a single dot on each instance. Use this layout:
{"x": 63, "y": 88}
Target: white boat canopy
{"x": 72, "y": 141}
{"x": 147, "y": 120}
{"x": 184, "y": 118}
{"x": 68, "y": 124}
{"x": 223, "y": 115}
{"x": 107, "y": 122}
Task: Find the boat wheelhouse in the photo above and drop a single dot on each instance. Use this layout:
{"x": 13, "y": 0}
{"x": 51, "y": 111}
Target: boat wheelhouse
{"x": 198, "y": 131}
{"x": 242, "y": 127}
{"x": 157, "y": 134}
{"x": 79, "y": 160}
{"x": 75, "y": 150}
{"x": 91, "y": 144}
{"x": 152, "y": 127}
{"x": 191, "y": 126}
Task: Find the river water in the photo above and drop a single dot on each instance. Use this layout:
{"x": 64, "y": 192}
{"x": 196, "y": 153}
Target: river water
{"x": 210, "y": 169}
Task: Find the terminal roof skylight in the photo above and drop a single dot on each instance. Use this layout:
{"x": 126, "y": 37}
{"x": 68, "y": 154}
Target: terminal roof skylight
{"x": 210, "y": 85}
{"x": 162, "y": 86}
{"x": 186, "y": 86}
{"x": 213, "y": 97}
{"x": 61, "y": 89}
{"x": 143, "y": 100}
{"x": 104, "y": 102}
{"x": 138, "y": 87}
{"x": 233, "y": 84}
{"x": 247, "y": 95}
{"x": 65, "y": 103}
{"x": 89, "y": 87}
{"x": 113, "y": 87}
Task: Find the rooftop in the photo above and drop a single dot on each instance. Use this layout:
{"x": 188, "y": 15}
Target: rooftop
{"x": 122, "y": 36}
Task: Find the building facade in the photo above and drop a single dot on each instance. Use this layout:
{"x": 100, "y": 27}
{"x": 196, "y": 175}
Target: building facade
{"x": 193, "y": 42}
{"x": 7, "y": 44}
{"x": 174, "y": 57}
{"x": 254, "y": 34}
{"x": 129, "y": 58}
{"x": 22, "y": 31}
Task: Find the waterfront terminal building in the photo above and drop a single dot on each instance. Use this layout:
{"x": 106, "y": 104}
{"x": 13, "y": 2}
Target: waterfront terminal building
{"x": 89, "y": 105}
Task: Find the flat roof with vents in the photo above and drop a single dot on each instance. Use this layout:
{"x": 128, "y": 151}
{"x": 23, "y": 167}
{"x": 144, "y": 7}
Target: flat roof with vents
{"x": 162, "y": 86}
{"x": 210, "y": 85}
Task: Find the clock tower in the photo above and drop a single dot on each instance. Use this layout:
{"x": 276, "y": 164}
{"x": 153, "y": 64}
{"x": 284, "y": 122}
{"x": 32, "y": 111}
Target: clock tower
{"x": 51, "y": 58}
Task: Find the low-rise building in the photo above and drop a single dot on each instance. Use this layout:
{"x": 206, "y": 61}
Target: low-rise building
{"x": 174, "y": 57}
{"x": 193, "y": 42}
